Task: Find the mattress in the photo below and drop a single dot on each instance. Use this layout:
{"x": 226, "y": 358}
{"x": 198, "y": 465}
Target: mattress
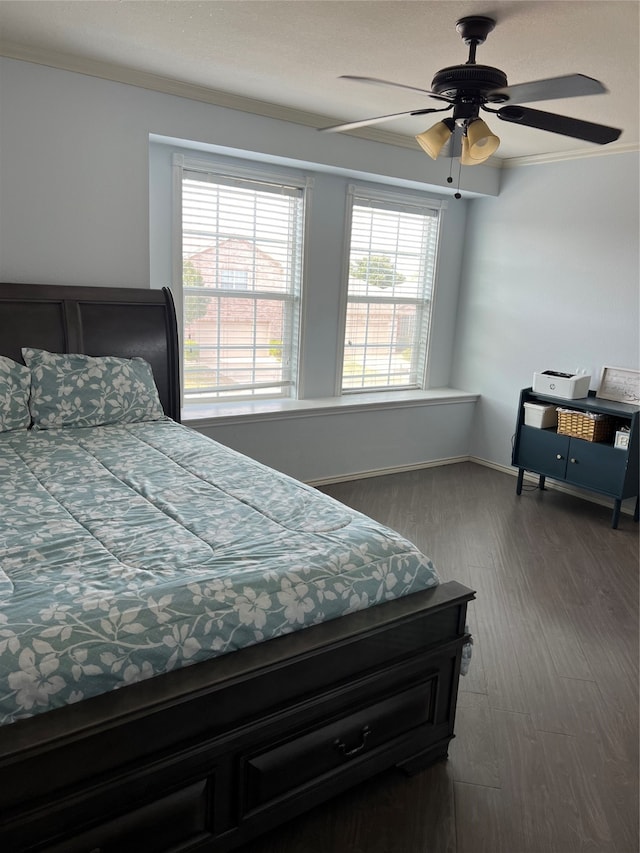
{"x": 132, "y": 550}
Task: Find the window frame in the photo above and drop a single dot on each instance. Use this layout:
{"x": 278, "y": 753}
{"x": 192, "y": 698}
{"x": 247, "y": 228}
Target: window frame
{"x": 412, "y": 203}
{"x": 293, "y": 302}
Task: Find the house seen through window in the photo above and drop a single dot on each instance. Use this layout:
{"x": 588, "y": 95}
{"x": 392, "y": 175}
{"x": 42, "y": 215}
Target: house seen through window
{"x": 241, "y": 258}
{"x": 392, "y": 261}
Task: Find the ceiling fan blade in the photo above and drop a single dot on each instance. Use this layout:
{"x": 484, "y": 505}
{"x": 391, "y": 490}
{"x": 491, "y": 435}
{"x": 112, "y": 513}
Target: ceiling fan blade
{"x": 569, "y": 86}
{"x": 378, "y": 82}
{"x": 590, "y": 132}
{"x": 352, "y": 125}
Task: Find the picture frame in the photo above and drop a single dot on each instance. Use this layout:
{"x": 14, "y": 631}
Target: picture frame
{"x": 620, "y": 384}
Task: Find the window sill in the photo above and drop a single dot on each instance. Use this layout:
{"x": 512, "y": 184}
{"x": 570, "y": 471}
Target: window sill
{"x": 211, "y": 414}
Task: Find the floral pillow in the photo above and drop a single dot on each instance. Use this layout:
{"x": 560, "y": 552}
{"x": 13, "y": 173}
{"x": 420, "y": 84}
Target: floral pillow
{"x": 15, "y": 382}
{"x": 84, "y": 390}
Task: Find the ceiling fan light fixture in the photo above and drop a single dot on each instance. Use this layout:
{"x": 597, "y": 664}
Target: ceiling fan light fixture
{"x": 468, "y": 88}
{"x": 465, "y": 159}
{"x": 432, "y": 141}
{"x": 481, "y": 141}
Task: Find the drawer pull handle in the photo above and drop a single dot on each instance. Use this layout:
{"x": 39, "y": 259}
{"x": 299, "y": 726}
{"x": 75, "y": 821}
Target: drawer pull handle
{"x": 341, "y": 746}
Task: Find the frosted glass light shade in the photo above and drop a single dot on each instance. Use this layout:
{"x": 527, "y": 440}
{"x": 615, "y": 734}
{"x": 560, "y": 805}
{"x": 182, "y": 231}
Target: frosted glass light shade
{"x": 433, "y": 140}
{"x": 465, "y": 159}
{"x": 481, "y": 141}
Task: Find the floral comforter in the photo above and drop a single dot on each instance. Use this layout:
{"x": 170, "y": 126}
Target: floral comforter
{"x": 128, "y": 551}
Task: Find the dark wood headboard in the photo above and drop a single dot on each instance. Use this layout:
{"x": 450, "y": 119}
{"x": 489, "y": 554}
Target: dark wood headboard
{"x": 124, "y": 322}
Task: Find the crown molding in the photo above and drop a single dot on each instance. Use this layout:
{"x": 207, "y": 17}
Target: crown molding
{"x": 563, "y": 156}
{"x": 215, "y": 97}
{"x": 191, "y": 91}
{"x": 195, "y": 92}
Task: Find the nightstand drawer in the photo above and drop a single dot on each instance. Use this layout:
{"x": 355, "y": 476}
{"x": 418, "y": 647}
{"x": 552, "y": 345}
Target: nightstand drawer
{"x": 328, "y": 749}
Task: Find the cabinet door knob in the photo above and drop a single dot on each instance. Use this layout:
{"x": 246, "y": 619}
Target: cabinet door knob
{"x": 575, "y": 461}
{"x": 559, "y": 456}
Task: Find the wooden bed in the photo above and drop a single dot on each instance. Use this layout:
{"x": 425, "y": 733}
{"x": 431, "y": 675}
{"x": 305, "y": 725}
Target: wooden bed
{"x": 208, "y": 757}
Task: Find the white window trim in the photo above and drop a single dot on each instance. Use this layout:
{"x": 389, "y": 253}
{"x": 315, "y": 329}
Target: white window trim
{"x": 255, "y": 172}
{"x": 412, "y": 203}
{"x": 249, "y": 411}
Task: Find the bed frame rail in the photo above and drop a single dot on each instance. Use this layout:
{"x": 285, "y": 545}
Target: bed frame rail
{"x": 257, "y": 737}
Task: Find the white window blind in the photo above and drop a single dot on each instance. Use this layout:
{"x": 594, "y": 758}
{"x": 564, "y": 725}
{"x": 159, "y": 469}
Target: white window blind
{"x": 241, "y": 261}
{"x": 392, "y": 263}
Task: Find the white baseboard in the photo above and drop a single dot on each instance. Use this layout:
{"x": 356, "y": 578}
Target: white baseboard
{"x": 594, "y": 497}
{"x": 454, "y": 460}
{"x": 381, "y": 472}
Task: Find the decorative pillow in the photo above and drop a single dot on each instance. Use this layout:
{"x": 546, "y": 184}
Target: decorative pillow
{"x": 69, "y": 389}
{"x": 15, "y": 382}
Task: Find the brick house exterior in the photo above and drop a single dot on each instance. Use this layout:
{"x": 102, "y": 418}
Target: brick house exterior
{"x": 238, "y": 326}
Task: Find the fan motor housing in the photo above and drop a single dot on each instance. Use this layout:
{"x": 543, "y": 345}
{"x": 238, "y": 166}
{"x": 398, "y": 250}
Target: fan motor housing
{"x": 470, "y": 81}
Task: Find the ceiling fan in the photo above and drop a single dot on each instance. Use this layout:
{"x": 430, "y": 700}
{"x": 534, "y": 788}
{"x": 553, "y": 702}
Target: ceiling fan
{"x": 470, "y": 87}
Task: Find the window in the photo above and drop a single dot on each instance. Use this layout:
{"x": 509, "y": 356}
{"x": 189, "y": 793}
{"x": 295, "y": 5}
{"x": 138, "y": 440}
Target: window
{"x": 234, "y": 279}
{"x": 241, "y": 272}
{"x": 392, "y": 260}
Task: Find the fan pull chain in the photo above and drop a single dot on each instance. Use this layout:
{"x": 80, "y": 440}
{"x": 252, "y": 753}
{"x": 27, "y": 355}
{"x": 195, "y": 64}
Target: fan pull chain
{"x": 450, "y": 178}
{"x": 457, "y": 193}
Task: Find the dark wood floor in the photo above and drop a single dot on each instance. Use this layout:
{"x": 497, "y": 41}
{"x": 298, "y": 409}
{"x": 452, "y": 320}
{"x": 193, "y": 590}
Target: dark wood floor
{"x": 546, "y": 754}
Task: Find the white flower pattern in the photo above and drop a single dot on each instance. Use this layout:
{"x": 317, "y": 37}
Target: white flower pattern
{"x": 134, "y": 549}
{"x": 15, "y": 383}
{"x": 34, "y": 682}
{"x": 75, "y": 390}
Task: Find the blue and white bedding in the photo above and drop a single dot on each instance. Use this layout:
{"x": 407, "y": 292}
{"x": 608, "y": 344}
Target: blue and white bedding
{"x": 130, "y": 550}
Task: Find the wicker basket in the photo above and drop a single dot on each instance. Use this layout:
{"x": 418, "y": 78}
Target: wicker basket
{"x": 590, "y": 426}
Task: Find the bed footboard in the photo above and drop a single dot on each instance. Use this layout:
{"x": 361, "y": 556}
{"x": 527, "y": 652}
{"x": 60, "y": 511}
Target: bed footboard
{"x": 209, "y": 757}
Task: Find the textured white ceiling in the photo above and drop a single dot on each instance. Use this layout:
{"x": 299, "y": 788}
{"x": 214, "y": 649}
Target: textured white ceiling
{"x": 290, "y": 53}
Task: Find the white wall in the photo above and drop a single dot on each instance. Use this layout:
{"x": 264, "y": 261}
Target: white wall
{"x": 550, "y": 282}
{"x": 550, "y": 276}
{"x": 322, "y": 447}
{"x": 74, "y": 209}
{"x": 74, "y": 188}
